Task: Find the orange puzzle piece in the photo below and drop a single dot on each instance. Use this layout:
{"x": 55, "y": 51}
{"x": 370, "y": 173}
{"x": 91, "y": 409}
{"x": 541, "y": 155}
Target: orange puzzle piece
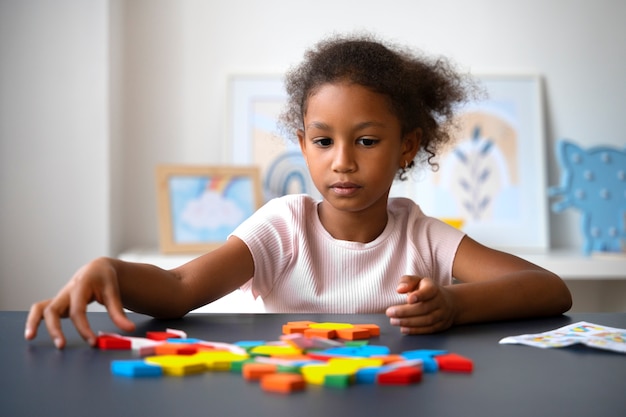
{"x": 254, "y": 371}
{"x": 284, "y": 383}
{"x": 354, "y": 333}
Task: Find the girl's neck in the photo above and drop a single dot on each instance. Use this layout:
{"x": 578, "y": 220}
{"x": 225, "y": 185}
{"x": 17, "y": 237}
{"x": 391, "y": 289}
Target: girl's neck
{"x": 362, "y": 227}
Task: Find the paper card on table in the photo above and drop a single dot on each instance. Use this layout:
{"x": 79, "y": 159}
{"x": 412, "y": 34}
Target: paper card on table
{"x": 589, "y": 334}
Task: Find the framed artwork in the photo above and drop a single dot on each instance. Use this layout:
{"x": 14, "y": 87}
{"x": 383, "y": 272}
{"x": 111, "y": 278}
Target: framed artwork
{"x": 199, "y": 206}
{"x": 493, "y": 179}
{"x": 256, "y": 102}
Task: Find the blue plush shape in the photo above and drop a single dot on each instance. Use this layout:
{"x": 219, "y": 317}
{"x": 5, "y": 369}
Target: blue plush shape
{"x": 594, "y": 182}
{"x": 135, "y": 368}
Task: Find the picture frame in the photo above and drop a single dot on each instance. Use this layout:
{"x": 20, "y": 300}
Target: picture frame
{"x": 494, "y": 178}
{"x": 199, "y": 206}
{"x": 256, "y": 102}
{"x": 512, "y": 117}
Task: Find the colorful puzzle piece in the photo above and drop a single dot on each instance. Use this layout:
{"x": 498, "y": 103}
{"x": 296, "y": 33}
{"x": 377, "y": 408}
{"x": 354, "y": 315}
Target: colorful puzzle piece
{"x": 283, "y": 383}
{"x": 328, "y": 330}
{"x": 177, "y": 365}
{"x": 287, "y": 365}
{"x": 454, "y": 363}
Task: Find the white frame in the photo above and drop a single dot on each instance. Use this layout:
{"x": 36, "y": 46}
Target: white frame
{"x": 244, "y": 92}
{"x": 521, "y": 95}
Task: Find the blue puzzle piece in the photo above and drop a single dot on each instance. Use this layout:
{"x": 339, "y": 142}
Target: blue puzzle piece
{"x": 135, "y": 368}
{"x": 187, "y": 341}
{"x": 249, "y": 344}
{"x": 367, "y": 375}
{"x": 359, "y": 351}
{"x": 427, "y": 357}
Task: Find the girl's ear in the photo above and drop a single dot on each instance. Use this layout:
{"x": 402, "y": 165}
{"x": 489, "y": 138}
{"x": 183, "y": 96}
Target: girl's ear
{"x": 301, "y": 141}
{"x": 410, "y": 145}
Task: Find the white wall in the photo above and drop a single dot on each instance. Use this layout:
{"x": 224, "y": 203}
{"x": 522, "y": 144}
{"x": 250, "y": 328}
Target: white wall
{"x": 54, "y": 132}
{"x": 189, "y": 48}
{"x": 166, "y": 76}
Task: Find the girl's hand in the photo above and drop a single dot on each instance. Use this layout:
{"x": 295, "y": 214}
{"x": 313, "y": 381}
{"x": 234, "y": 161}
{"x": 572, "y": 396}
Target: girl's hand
{"x": 96, "y": 281}
{"x": 429, "y": 307}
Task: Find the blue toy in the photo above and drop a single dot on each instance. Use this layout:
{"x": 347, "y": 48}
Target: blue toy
{"x": 594, "y": 182}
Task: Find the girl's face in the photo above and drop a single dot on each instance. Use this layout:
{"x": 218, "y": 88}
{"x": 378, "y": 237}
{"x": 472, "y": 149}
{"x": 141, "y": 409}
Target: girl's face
{"x": 353, "y": 146}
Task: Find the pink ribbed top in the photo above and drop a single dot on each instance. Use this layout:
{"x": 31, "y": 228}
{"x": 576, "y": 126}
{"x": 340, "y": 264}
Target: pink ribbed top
{"x": 301, "y": 268}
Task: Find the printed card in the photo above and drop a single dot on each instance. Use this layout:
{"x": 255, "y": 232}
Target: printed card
{"x": 589, "y": 334}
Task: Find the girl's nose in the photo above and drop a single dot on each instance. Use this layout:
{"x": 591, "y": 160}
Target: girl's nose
{"x": 343, "y": 160}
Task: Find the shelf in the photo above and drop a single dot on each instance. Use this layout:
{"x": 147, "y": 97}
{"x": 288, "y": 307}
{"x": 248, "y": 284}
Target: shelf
{"x": 571, "y": 264}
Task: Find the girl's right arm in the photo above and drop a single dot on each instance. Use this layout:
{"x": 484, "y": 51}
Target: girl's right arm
{"x": 142, "y": 288}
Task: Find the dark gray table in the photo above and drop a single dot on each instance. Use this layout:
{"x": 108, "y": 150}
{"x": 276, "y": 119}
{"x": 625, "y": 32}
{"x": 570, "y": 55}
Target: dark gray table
{"x": 509, "y": 380}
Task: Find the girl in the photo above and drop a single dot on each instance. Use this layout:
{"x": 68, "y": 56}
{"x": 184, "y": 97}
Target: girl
{"x": 363, "y": 112}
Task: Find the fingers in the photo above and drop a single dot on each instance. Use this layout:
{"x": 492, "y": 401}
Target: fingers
{"x": 420, "y": 318}
{"x": 427, "y": 309}
{"x": 78, "y": 315}
{"x": 407, "y": 284}
{"x": 95, "y": 281}
{"x": 52, "y": 317}
{"x": 113, "y": 304}
{"x": 35, "y": 315}
{"x": 426, "y": 290}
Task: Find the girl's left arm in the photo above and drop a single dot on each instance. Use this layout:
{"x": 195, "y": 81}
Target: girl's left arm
{"x": 495, "y": 285}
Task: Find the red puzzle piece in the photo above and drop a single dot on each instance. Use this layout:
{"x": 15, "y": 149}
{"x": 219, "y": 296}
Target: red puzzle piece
{"x": 400, "y": 376}
{"x": 107, "y": 342}
{"x": 454, "y": 363}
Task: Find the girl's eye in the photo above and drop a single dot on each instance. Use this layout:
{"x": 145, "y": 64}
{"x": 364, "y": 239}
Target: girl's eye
{"x": 323, "y": 142}
{"x": 367, "y": 142}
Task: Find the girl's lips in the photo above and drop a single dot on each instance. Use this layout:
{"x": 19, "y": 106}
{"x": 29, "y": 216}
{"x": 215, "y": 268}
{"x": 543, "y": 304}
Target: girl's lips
{"x": 345, "y": 188}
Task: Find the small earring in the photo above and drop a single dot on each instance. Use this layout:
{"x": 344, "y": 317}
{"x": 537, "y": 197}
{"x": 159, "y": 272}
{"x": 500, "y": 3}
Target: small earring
{"x": 404, "y": 169}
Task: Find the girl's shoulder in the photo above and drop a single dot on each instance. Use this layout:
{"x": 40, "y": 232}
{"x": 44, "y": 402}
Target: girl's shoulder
{"x": 289, "y": 206}
{"x": 403, "y": 206}
{"x": 410, "y": 215}
{"x": 293, "y": 202}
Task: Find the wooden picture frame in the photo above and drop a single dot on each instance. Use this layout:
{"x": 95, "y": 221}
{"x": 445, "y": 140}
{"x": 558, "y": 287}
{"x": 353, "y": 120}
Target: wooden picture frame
{"x": 199, "y": 206}
{"x": 255, "y": 104}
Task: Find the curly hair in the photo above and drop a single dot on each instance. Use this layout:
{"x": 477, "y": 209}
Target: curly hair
{"x": 423, "y": 92}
